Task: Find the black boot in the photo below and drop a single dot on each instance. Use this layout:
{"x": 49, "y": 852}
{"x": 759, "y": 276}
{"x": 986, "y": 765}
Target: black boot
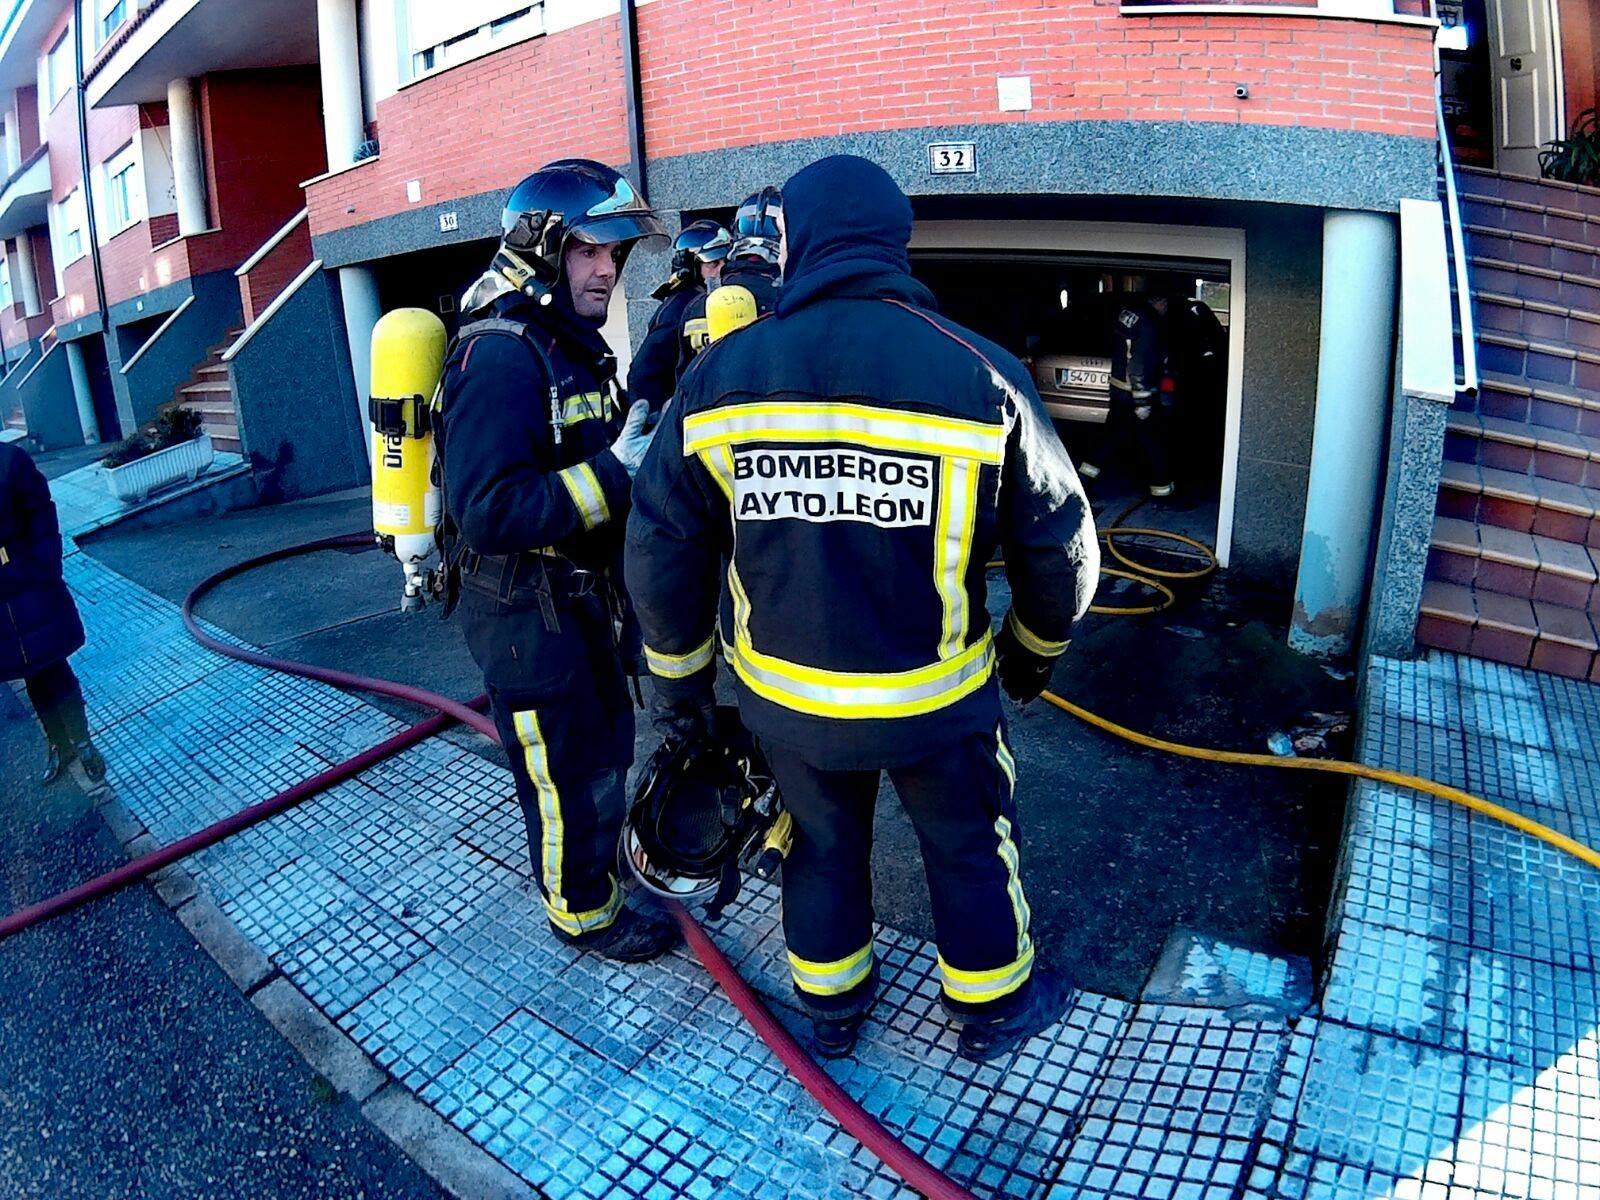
{"x": 1046, "y": 1002}
{"x": 835, "y": 1037}
{"x": 634, "y": 937}
{"x": 94, "y": 766}
{"x": 54, "y": 764}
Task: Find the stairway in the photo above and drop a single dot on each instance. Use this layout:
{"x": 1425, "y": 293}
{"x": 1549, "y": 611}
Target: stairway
{"x": 1514, "y": 563}
{"x": 209, "y": 392}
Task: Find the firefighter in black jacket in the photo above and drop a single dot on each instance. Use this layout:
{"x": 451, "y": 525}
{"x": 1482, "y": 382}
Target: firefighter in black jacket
{"x": 752, "y": 264}
{"x": 537, "y": 456}
{"x": 859, "y": 459}
{"x": 697, "y": 256}
{"x": 1138, "y": 422}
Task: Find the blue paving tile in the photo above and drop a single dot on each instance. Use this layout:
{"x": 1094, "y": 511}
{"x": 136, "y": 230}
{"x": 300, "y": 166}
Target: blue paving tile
{"x": 1408, "y": 888}
{"x": 425, "y": 1018}
{"x": 282, "y": 908}
{"x": 1531, "y": 1013}
{"x": 350, "y": 956}
{"x": 1383, "y": 816}
{"x": 1436, "y": 752}
{"x": 1374, "y": 1101}
{"x": 1530, "y": 1132}
{"x": 1532, "y": 900}
{"x": 1514, "y": 775}
{"x": 1426, "y": 691}
{"x": 1398, "y": 982}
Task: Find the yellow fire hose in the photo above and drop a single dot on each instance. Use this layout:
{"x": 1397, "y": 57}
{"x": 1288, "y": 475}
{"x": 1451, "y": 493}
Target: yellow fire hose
{"x": 1143, "y": 573}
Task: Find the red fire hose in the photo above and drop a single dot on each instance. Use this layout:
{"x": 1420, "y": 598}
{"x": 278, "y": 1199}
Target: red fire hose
{"x": 859, "y": 1123}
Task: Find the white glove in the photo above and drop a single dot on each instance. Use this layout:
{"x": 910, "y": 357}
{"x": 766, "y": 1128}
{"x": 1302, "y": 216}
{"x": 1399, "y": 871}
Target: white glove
{"x": 633, "y": 441}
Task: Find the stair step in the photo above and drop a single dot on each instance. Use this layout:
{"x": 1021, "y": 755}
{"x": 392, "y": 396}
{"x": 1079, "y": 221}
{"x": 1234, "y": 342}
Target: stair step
{"x": 1517, "y": 446}
{"x": 1492, "y": 496}
{"x": 208, "y": 388}
{"x": 1515, "y": 563}
{"x": 213, "y": 408}
{"x": 1548, "y": 220}
{"x": 1534, "y": 283}
{"x": 1510, "y": 629}
{"x": 1538, "y": 404}
{"x": 212, "y": 369}
{"x": 1476, "y": 182}
{"x": 1539, "y": 362}
{"x": 1537, "y": 320}
{"x": 1533, "y": 249}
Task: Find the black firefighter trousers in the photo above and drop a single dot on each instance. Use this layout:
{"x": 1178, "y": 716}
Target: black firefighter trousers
{"x": 562, "y": 708}
{"x": 962, "y": 804}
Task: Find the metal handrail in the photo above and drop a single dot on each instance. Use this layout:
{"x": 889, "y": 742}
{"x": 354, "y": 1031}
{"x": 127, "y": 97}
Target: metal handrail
{"x": 1467, "y": 381}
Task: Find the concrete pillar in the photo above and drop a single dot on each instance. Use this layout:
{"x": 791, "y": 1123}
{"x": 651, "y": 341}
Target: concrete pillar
{"x": 1354, "y": 363}
{"x": 358, "y": 287}
{"x": 339, "y": 57}
{"x": 79, "y": 370}
{"x": 25, "y": 276}
{"x": 188, "y": 161}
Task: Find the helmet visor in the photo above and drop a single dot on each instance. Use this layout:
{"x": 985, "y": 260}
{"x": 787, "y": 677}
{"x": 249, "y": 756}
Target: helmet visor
{"x": 619, "y": 227}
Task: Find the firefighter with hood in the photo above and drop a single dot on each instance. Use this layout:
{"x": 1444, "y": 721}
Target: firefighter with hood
{"x": 537, "y": 448}
{"x": 752, "y": 264}
{"x": 697, "y": 257}
{"x": 858, "y": 459}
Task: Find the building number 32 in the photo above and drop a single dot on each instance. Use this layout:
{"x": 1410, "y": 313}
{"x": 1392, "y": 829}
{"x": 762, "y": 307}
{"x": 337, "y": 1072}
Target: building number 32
{"x": 953, "y": 158}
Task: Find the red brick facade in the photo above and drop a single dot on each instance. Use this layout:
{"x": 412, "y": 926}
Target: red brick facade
{"x": 274, "y": 272}
{"x": 484, "y": 125}
{"x": 725, "y": 73}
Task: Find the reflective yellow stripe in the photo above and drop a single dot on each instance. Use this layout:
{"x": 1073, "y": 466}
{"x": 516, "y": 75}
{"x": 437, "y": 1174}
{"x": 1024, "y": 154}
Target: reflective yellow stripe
{"x": 1020, "y": 911}
{"x": 979, "y": 987}
{"x": 551, "y": 828}
{"x": 586, "y": 406}
{"x": 832, "y": 978}
{"x": 679, "y": 666}
{"x": 1008, "y": 765}
{"x": 586, "y": 922}
{"x": 1032, "y": 641}
{"x": 697, "y": 332}
{"x": 719, "y": 462}
{"x": 862, "y": 695}
{"x": 852, "y": 424}
{"x": 952, "y": 548}
{"x": 587, "y": 495}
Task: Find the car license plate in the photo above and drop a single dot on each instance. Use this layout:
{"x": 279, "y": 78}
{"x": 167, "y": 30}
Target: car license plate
{"x": 1083, "y": 377}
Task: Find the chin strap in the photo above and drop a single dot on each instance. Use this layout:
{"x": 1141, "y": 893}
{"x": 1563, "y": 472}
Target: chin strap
{"x": 727, "y": 891}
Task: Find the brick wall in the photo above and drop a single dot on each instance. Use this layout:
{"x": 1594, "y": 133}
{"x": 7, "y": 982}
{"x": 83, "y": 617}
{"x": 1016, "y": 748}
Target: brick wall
{"x": 484, "y": 125}
{"x": 263, "y": 138}
{"x": 274, "y": 272}
{"x": 27, "y": 121}
{"x": 719, "y": 73}
{"x": 1580, "y": 55}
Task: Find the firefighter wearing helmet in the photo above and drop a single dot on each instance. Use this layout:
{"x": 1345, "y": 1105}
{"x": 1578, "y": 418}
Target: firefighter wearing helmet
{"x": 538, "y": 447}
{"x": 752, "y": 264}
{"x": 697, "y": 256}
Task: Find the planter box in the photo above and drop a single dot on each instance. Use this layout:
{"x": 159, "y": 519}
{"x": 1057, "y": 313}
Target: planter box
{"x": 183, "y": 463}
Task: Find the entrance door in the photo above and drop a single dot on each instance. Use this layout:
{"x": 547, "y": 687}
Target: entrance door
{"x": 101, "y": 390}
{"x": 1527, "y": 82}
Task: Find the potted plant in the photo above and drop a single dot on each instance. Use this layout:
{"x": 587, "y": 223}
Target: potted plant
{"x": 171, "y": 449}
{"x": 1576, "y": 157}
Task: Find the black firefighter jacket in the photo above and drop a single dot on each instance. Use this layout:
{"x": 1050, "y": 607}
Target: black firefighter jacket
{"x": 525, "y": 469}
{"x": 855, "y": 460}
{"x": 39, "y": 624}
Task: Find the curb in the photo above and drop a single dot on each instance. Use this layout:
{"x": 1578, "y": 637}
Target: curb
{"x": 462, "y": 1168}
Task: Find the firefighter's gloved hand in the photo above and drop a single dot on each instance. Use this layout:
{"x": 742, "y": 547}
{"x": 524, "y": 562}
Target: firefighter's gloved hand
{"x": 634, "y": 440}
{"x": 1023, "y": 674}
{"x": 1142, "y": 412}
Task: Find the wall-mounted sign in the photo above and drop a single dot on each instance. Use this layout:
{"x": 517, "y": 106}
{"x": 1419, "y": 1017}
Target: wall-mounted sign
{"x": 447, "y": 222}
{"x": 953, "y": 158}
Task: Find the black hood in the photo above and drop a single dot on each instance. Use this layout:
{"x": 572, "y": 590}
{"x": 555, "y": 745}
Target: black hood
{"x": 847, "y": 225}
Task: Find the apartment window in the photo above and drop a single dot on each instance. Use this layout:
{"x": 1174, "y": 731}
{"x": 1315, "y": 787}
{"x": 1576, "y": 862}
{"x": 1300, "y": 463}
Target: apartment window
{"x": 447, "y": 32}
{"x": 124, "y": 196}
{"x": 69, "y": 226}
{"x": 111, "y": 14}
{"x": 59, "y": 70}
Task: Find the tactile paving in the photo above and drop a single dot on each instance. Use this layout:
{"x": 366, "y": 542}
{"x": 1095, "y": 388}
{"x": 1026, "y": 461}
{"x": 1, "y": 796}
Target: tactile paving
{"x": 1532, "y": 1013}
{"x": 1531, "y": 899}
{"x": 1375, "y": 1101}
{"x": 1530, "y": 1131}
{"x": 1398, "y": 982}
{"x": 1406, "y": 887}
{"x": 350, "y": 956}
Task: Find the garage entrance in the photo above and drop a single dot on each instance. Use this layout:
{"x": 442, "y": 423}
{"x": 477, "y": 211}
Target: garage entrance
{"x": 1060, "y": 295}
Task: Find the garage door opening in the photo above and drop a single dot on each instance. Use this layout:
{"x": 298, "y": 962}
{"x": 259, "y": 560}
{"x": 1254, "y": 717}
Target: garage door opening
{"x": 1073, "y": 320}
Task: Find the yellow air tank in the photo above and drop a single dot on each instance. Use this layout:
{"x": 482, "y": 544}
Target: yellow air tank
{"x": 408, "y": 347}
{"x": 729, "y": 308}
